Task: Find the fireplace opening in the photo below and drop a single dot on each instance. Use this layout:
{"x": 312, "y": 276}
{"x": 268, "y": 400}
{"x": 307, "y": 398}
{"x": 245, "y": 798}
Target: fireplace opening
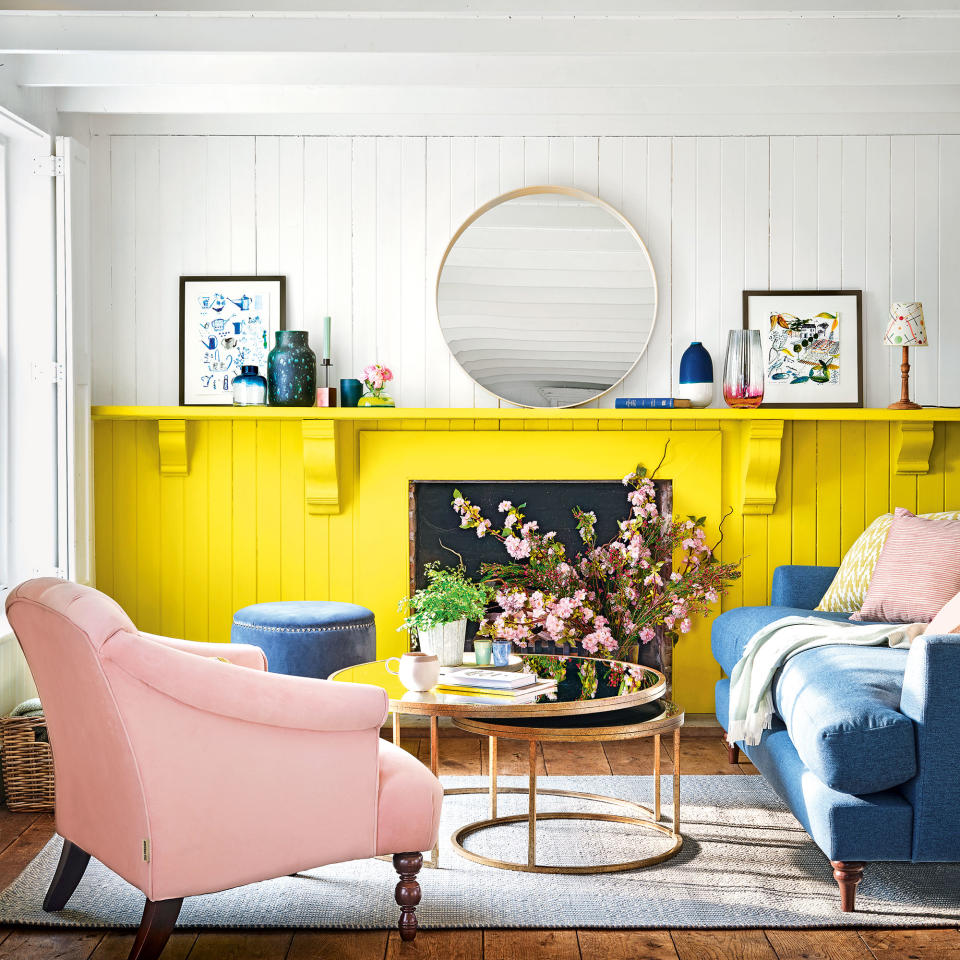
{"x": 435, "y": 529}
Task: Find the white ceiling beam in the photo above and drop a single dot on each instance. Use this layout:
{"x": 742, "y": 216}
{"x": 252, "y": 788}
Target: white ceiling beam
{"x": 475, "y": 102}
{"x": 509, "y": 8}
{"x": 625, "y": 70}
{"x": 32, "y": 33}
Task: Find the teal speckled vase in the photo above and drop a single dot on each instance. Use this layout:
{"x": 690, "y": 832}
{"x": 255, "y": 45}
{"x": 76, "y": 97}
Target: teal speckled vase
{"x": 292, "y": 371}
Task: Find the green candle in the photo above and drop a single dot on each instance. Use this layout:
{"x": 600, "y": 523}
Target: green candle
{"x": 326, "y": 338}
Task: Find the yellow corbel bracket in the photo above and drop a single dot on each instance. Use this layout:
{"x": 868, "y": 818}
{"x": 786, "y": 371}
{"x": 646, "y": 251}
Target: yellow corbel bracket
{"x": 761, "y": 465}
{"x": 914, "y": 441}
{"x": 172, "y": 442}
{"x": 321, "y": 486}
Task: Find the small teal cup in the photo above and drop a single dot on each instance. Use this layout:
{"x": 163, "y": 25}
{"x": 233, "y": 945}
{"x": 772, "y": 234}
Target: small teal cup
{"x": 350, "y": 392}
{"x": 501, "y": 653}
{"x": 482, "y": 651}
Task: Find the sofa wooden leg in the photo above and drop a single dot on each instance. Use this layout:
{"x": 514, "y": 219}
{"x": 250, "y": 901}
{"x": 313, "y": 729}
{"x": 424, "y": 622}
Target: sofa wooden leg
{"x": 848, "y": 876}
{"x": 733, "y": 751}
{"x": 408, "y": 891}
{"x": 73, "y": 861}
{"x": 159, "y": 919}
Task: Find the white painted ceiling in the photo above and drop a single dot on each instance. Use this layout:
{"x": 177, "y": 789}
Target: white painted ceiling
{"x": 488, "y": 66}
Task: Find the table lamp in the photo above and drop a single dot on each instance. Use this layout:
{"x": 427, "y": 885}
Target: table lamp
{"x": 905, "y": 330}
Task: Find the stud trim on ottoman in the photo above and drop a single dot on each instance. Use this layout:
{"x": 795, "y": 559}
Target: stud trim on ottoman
{"x": 306, "y": 638}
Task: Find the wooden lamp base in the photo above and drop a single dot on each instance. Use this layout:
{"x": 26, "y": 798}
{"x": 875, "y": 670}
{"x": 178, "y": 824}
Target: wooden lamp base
{"x": 905, "y": 403}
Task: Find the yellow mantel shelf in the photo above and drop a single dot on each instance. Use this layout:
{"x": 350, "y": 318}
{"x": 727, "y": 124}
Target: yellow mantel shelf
{"x": 928, "y": 414}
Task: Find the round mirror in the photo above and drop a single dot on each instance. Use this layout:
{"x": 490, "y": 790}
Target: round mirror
{"x": 547, "y": 297}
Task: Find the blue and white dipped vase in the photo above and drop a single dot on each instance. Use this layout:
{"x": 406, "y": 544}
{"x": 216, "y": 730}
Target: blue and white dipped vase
{"x": 696, "y": 376}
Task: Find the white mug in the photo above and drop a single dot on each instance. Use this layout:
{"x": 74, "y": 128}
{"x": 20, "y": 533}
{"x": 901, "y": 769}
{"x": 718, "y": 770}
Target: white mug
{"x": 417, "y": 671}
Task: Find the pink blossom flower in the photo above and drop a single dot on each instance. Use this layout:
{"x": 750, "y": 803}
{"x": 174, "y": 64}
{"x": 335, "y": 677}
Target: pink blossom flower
{"x": 647, "y": 634}
{"x": 685, "y": 625}
{"x": 504, "y": 506}
{"x": 517, "y": 548}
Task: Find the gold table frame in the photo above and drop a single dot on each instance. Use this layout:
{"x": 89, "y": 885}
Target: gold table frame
{"x": 669, "y": 720}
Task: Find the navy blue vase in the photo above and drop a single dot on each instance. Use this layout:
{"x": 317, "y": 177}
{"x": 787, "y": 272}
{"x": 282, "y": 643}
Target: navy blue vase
{"x": 292, "y": 371}
{"x": 695, "y": 382}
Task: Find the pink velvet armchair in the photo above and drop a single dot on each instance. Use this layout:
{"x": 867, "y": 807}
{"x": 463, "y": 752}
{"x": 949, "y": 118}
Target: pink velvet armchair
{"x": 186, "y": 775}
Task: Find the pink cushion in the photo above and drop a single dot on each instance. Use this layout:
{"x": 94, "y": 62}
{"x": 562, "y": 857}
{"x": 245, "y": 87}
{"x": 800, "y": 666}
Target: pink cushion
{"x": 918, "y": 571}
{"x": 947, "y": 620}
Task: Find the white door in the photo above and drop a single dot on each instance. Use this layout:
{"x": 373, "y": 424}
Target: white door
{"x": 74, "y": 446}
{"x": 28, "y": 407}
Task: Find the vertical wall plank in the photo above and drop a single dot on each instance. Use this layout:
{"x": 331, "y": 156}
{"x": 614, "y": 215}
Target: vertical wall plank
{"x": 828, "y": 493}
{"x": 416, "y": 310}
{"x": 948, "y": 348}
{"x": 486, "y": 187}
{"x": 781, "y": 212}
{"x": 290, "y": 225}
{"x": 683, "y": 250}
{"x": 925, "y": 365}
{"x": 101, "y": 251}
{"x": 339, "y": 282}
{"x": 437, "y": 237}
{"x": 220, "y": 528}
{"x": 123, "y": 252}
{"x": 709, "y": 243}
{"x": 292, "y": 534}
{"x": 805, "y": 207}
{"x": 804, "y": 531}
{"x": 853, "y": 519}
{"x": 903, "y": 188}
{"x": 103, "y": 505}
{"x": 146, "y": 255}
{"x": 196, "y": 536}
{"x": 364, "y": 226}
{"x": 147, "y": 558}
{"x": 269, "y": 544}
{"x": 245, "y": 537}
{"x": 876, "y": 291}
{"x": 389, "y": 241}
{"x": 268, "y": 205}
{"x": 829, "y": 213}
{"x": 463, "y": 175}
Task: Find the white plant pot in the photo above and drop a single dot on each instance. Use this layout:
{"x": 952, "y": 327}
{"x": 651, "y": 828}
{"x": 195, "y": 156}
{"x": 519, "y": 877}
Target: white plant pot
{"x": 445, "y": 642}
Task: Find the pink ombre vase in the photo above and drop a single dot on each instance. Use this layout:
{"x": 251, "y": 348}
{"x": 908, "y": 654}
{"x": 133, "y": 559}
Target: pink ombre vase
{"x": 743, "y": 369}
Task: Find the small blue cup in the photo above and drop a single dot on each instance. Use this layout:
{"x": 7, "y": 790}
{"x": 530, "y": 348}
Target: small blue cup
{"x": 501, "y": 653}
{"x": 350, "y": 392}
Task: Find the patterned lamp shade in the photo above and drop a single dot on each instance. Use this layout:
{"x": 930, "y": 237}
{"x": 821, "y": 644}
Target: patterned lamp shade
{"x": 906, "y": 327}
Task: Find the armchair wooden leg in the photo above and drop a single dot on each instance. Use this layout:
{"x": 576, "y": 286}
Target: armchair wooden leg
{"x": 73, "y": 861}
{"x": 159, "y": 919}
{"x": 848, "y": 877}
{"x": 407, "y": 892}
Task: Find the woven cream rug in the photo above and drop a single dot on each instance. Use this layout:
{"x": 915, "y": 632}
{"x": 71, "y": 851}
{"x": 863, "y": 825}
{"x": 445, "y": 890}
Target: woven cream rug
{"x": 745, "y": 862}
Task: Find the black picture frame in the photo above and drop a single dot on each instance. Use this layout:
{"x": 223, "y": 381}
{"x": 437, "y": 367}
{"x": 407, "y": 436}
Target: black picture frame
{"x": 858, "y": 295}
{"x": 214, "y": 278}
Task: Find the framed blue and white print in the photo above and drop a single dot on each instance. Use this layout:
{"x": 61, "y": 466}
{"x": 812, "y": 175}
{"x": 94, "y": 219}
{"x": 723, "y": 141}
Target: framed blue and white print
{"x": 226, "y": 323}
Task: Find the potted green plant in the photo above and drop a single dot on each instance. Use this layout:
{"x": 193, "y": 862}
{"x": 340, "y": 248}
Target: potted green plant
{"x": 438, "y": 613}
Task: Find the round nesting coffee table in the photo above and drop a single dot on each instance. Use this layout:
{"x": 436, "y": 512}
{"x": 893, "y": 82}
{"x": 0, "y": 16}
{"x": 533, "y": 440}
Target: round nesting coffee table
{"x": 596, "y": 700}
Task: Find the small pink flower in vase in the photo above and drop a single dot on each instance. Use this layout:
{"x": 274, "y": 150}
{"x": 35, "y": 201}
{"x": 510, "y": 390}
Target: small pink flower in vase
{"x": 375, "y": 377}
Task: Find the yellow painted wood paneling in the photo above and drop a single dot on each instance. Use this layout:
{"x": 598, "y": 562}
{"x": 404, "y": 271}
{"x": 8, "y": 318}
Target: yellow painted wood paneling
{"x": 930, "y": 485}
{"x": 147, "y": 563}
{"x": 852, "y": 502}
{"x": 292, "y": 531}
{"x": 196, "y": 533}
{"x": 220, "y": 526}
{"x": 876, "y": 493}
{"x": 182, "y": 553}
{"x": 103, "y": 505}
{"x": 828, "y": 494}
{"x": 804, "y": 493}
{"x": 779, "y": 538}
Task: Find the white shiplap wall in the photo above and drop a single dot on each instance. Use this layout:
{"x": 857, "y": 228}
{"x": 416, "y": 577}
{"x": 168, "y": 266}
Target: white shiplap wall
{"x": 358, "y": 226}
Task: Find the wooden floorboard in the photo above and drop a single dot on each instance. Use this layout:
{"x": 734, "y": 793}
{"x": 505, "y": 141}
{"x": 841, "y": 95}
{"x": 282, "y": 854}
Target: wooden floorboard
{"x": 626, "y": 945}
{"x": 723, "y": 945}
{"x": 530, "y": 945}
{"x": 912, "y": 944}
{"x": 818, "y": 945}
{"x": 22, "y": 836}
{"x": 338, "y": 945}
{"x": 116, "y": 946}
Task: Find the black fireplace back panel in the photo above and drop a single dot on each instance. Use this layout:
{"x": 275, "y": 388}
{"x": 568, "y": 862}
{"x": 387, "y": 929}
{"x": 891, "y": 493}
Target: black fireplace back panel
{"x": 436, "y": 525}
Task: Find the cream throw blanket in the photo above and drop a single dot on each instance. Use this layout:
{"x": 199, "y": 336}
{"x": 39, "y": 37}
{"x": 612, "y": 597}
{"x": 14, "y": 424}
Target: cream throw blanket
{"x": 751, "y": 697}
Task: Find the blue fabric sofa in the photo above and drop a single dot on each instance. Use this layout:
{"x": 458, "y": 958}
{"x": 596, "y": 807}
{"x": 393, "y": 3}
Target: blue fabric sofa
{"x": 863, "y": 747}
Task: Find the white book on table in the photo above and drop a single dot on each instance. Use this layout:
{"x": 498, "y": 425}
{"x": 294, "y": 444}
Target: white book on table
{"x": 495, "y": 679}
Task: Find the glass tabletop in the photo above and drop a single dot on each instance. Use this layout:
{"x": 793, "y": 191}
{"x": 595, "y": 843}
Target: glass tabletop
{"x": 584, "y": 685}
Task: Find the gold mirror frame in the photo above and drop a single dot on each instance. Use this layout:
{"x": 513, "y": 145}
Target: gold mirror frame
{"x": 568, "y": 192}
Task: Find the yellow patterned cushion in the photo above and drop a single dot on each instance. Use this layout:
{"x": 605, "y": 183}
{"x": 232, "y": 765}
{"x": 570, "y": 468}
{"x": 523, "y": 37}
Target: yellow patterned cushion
{"x": 849, "y": 588}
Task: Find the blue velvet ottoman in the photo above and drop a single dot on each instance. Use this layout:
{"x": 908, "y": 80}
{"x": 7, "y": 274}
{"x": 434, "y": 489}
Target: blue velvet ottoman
{"x": 308, "y": 638}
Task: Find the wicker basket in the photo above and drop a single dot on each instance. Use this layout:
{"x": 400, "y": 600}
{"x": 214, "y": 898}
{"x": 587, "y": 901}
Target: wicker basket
{"x": 27, "y": 763}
